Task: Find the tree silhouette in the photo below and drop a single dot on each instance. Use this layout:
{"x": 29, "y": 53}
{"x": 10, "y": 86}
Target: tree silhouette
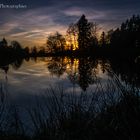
{"x": 109, "y": 36}
{"x": 128, "y": 36}
{"x": 16, "y": 45}
{"x": 3, "y": 43}
{"x": 5, "y": 68}
{"x": 103, "y": 41}
{"x": 17, "y": 64}
{"x": 87, "y": 73}
{"x": 42, "y": 51}
{"x": 126, "y": 70}
{"x": 72, "y": 34}
{"x": 56, "y": 43}
{"x": 57, "y": 66}
{"x": 27, "y": 51}
{"x": 86, "y": 35}
{"x": 34, "y": 51}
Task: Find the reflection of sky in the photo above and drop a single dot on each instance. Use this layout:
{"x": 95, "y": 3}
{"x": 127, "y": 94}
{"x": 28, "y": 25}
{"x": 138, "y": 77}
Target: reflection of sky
{"x": 32, "y": 25}
{"x": 33, "y": 78}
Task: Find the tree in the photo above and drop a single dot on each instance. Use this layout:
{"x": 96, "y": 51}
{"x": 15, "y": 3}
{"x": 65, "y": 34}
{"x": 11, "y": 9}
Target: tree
{"x": 56, "y": 43}
{"x": 72, "y": 34}
{"x": 128, "y": 36}
{"x": 16, "y": 45}
{"x": 103, "y": 39}
{"x": 41, "y": 51}
{"x": 34, "y": 51}
{"x": 27, "y": 50}
{"x": 108, "y": 36}
{"x": 86, "y": 34}
{"x": 3, "y": 43}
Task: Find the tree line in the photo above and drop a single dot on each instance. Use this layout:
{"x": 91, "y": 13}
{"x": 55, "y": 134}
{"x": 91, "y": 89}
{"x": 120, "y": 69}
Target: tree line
{"x": 14, "y": 48}
{"x": 82, "y": 36}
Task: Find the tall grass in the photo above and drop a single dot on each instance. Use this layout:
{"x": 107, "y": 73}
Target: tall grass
{"x": 109, "y": 112}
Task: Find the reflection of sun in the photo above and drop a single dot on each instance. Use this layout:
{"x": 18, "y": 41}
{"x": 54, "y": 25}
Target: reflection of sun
{"x": 67, "y": 43}
{"x": 72, "y": 66}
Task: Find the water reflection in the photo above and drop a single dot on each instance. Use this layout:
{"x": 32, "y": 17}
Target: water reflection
{"x": 127, "y": 70}
{"x": 17, "y": 64}
{"x": 5, "y": 68}
{"x": 82, "y": 72}
{"x": 57, "y": 66}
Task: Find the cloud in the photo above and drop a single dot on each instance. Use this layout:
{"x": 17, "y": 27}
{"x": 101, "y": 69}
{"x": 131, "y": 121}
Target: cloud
{"x": 44, "y": 17}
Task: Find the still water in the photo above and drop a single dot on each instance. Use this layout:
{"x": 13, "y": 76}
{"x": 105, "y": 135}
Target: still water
{"x": 25, "y": 79}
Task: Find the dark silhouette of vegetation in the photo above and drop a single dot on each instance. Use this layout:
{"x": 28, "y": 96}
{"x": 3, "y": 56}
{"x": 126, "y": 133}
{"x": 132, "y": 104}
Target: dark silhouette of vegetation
{"x": 103, "y": 40}
{"x": 82, "y": 34}
{"x": 57, "y": 66}
{"x": 109, "y": 112}
{"x": 16, "y": 45}
{"x": 34, "y": 51}
{"x": 72, "y": 34}
{"x": 128, "y": 35}
{"x": 42, "y": 52}
{"x": 127, "y": 70}
{"x": 81, "y": 39}
{"x": 3, "y": 43}
{"x": 86, "y": 35}
{"x": 56, "y": 43}
{"x": 13, "y": 51}
{"x": 87, "y": 72}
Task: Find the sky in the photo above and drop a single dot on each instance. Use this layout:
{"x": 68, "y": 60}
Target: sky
{"x": 31, "y": 25}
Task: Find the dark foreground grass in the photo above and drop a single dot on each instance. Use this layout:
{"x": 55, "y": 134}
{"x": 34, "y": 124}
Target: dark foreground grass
{"x": 110, "y": 112}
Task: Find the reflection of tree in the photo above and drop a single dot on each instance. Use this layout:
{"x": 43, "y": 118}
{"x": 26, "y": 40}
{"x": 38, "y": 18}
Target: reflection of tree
{"x": 17, "y": 64}
{"x": 27, "y": 59}
{"x": 5, "y": 68}
{"x": 87, "y": 73}
{"x": 57, "y": 66}
{"x": 83, "y": 72}
{"x": 35, "y": 59}
{"x": 104, "y": 65}
{"x": 127, "y": 70}
{"x": 87, "y": 69}
{"x": 72, "y": 70}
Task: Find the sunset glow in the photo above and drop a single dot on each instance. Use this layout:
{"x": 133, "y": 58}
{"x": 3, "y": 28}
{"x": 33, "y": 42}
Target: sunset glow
{"x": 32, "y": 25}
{"x": 71, "y": 41}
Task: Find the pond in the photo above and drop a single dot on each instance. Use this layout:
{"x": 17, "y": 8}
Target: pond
{"x": 23, "y": 80}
